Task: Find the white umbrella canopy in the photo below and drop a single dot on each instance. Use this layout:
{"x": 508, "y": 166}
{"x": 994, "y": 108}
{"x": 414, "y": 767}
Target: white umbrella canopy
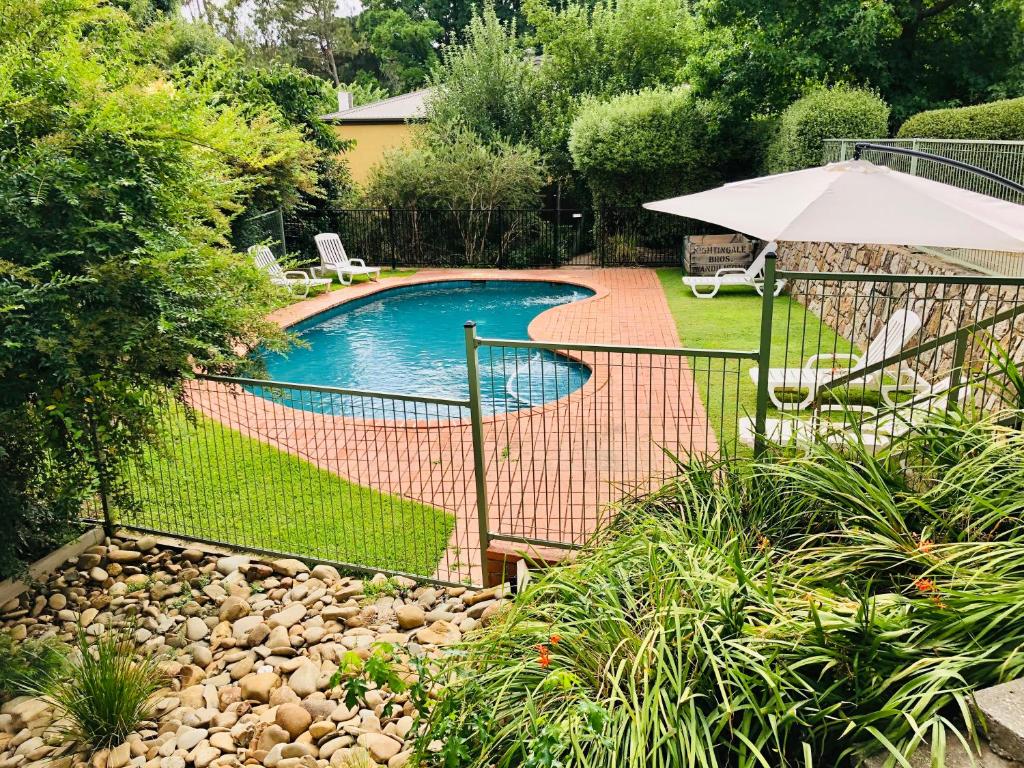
{"x": 856, "y": 202}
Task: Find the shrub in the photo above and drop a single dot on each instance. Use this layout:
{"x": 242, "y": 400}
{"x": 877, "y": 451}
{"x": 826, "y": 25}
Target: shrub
{"x": 787, "y": 612}
{"x": 640, "y": 146}
{"x": 997, "y": 121}
{"x": 824, "y": 113}
{"x": 105, "y": 691}
{"x": 26, "y": 664}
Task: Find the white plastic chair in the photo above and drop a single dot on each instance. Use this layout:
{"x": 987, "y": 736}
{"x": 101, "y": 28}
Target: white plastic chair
{"x": 334, "y": 259}
{"x": 813, "y": 375}
{"x": 291, "y": 279}
{"x": 752, "y": 276}
{"x": 874, "y": 429}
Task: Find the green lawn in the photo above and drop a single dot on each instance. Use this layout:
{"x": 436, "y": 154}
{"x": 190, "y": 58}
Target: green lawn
{"x": 732, "y": 320}
{"x": 385, "y": 273}
{"x": 212, "y": 482}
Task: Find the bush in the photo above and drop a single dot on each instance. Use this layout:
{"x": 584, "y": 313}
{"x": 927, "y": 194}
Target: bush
{"x": 25, "y": 665}
{"x": 997, "y": 121}
{"x": 105, "y": 691}
{"x": 787, "y": 612}
{"x": 824, "y": 113}
{"x": 641, "y": 146}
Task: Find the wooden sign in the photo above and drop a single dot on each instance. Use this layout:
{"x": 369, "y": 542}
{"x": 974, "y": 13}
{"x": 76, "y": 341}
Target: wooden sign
{"x": 706, "y": 254}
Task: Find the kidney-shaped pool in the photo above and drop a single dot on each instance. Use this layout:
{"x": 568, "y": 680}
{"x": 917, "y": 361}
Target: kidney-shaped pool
{"x": 410, "y": 340}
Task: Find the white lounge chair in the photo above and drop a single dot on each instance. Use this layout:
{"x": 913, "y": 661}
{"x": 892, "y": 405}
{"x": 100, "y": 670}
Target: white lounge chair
{"x": 873, "y": 428}
{"x": 821, "y": 369}
{"x": 752, "y": 276}
{"x": 334, "y": 259}
{"x": 291, "y": 279}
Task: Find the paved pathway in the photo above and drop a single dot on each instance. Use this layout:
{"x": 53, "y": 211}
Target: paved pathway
{"x": 552, "y": 470}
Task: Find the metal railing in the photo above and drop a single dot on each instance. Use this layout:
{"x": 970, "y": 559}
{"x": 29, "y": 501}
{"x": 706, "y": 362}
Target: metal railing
{"x": 365, "y": 480}
{"x": 1005, "y": 158}
{"x": 501, "y": 238}
{"x": 552, "y": 434}
{"x": 579, "y": 427}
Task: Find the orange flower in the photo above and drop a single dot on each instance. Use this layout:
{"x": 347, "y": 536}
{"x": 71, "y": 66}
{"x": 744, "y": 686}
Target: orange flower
{"x": 555, "y": 639}
{"x": 925, "y": 547}
{"x": 545, "y": 657}
{"x": 924, "y": 585}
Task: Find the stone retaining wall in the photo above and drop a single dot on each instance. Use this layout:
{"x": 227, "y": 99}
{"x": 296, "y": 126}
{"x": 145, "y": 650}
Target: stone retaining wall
{"x": 857, "y": 310}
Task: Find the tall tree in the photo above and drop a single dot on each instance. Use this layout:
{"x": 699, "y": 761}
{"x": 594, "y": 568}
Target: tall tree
{"x": 760, "y": 55}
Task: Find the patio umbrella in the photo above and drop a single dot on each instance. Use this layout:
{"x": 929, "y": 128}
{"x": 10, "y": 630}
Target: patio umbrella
{"x": 856, "y": 202}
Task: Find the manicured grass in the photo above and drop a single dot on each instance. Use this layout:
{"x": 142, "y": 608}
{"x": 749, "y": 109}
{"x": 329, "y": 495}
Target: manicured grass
{"x": 732, "y": 320}
{"x": 212, "y": 482}
{"x": 385, "y": 273}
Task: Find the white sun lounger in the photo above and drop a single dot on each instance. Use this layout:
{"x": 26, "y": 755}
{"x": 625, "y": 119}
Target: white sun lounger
{"x": 292, "y": 279}
{"x": 334, "y": 259}
{"x": 821, "y": 369}
{"x": 874, "y": 428}
{"x": 752, "y": 276}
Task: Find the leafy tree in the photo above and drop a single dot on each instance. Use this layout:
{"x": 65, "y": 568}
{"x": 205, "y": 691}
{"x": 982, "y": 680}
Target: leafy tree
{"x": 404, "y": 46}
{"x": 454, "y": 16}
{"x": 760, "y": 55}
{"x": 457, "y": 171}
{"x": 486, "y": 85}
{"x": 115, "y": 280}
{"x": 639, "y": 146}
{"x": 824, "y": 113}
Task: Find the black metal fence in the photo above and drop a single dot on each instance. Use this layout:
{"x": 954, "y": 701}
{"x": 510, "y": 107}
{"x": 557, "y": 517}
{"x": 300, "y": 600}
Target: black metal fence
{"x": 498, "y": 238}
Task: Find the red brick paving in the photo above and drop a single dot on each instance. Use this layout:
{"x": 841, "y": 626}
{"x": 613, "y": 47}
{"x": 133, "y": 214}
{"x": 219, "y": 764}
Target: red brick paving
{"x": 551, "y": 471}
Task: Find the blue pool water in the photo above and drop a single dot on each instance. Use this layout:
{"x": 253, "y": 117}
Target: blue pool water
{"x": 410, "y": 340}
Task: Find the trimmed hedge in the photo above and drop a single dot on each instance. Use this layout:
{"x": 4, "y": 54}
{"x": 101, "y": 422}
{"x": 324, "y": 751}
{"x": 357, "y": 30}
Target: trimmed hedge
{"x": 996, "y": 121}
{"x": 640, "y": 146}
{"x": 840, "y": 112}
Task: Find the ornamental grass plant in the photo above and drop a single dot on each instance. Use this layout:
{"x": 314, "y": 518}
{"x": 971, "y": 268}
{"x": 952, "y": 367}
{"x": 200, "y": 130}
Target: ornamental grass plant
{"x": 802, "y": 610}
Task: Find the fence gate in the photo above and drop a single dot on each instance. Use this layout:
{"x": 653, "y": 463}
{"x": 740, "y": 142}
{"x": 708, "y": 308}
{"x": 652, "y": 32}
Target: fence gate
{"x": 565, "y": 431}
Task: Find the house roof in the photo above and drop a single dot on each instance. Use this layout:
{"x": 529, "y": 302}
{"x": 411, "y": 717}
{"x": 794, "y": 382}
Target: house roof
{"x": 397, "y": 109}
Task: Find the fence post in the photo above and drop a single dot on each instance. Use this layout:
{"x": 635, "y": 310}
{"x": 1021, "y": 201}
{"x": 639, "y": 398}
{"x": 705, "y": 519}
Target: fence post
{"x": 394, "y": 240}
{"x": 101, "y": 475}
{"x": 764, "y": 351}
{"x": 479, "y": 470}
{"x": 501, "y": 238}
{"x": 279, "y": 218}
{"x": 913, "y": 159}
{"x": 956, "y": 373}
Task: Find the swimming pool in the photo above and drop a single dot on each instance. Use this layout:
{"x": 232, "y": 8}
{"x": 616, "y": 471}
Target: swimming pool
{"x": 410, "y": 340}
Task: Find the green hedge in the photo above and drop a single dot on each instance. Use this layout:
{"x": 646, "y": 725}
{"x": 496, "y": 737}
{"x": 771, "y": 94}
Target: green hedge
{"x": 641, "y": 146}
{"x": 840, "y": 112}
{"x": 997, "y": 121}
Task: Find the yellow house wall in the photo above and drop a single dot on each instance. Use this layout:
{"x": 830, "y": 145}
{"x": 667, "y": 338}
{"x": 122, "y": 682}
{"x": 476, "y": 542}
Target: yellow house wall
{"x": 372, "y": 140}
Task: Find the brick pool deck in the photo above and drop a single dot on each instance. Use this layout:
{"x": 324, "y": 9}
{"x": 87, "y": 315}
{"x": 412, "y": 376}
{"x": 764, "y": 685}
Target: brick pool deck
{"x": 551, "y": 471}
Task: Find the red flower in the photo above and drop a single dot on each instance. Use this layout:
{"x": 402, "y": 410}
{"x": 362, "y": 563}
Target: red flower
{"x": 925, "y": 547}
{"x": 555, "y": 639}
{"x": 924, "y": 585}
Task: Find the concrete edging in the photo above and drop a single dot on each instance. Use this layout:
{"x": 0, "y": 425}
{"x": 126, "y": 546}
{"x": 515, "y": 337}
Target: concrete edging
{"x": 12, "y": 588}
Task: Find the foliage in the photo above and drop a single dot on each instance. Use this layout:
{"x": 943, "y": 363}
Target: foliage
{"x": 457, "y": 171}
{"x": 26, "y": 663}
{"x": 486, "y": 84}
{"x": 760, "y": 55}
{"x": 996, "y": 121}
{"x": 404, "y": 46}
{"x": 789, "y": 612}
{"x": 114, "y": 277}
{"x": 453, "y": 15}
{"x": 640, "y": 146}
{"x": 824, "y": 113}
{"x": 105, "y": 691}
{"x": 600, "y": 49}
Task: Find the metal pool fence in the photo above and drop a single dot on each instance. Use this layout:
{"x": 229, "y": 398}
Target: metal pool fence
{"x": 1005, "y": 158}
{"x": 552, "y": 435}
{"x": 498, "y": 237}
{"x": 869, "y": 358}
